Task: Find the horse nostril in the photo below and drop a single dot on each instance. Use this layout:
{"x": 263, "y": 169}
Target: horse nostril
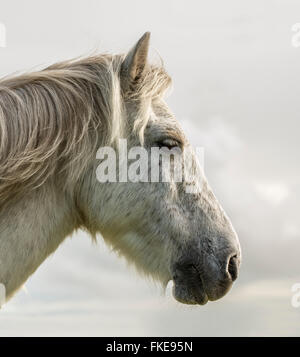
{"x": 233, "y": 267}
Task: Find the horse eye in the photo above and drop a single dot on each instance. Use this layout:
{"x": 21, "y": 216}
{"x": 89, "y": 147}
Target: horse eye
{"x": 168, "y": 143}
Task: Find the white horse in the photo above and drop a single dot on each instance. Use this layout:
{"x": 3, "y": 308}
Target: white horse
{"x": 51, "y": 124}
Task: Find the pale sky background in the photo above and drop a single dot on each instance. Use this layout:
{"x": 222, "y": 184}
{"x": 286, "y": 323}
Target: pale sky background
{"x": 237, "y": 93}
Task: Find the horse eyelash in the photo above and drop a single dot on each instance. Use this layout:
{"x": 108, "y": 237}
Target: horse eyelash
{"x": 168, "y": 142}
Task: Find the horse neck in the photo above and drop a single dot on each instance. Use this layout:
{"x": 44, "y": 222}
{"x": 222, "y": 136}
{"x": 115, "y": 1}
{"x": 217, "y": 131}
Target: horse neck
{"x": 30, "y": 230}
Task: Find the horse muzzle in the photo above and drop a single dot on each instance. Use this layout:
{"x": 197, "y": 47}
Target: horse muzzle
{"x": 199, "y": 281}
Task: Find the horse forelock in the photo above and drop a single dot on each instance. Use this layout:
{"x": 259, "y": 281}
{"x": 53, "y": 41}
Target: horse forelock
{"x": 54, "y": 119}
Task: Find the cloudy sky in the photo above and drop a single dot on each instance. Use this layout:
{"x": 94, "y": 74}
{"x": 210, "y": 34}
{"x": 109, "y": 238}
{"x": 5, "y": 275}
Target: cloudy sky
{"x": 236, "y": 93}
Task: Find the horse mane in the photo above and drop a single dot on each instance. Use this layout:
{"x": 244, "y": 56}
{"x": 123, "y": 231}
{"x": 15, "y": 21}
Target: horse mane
{"x": 53, "y": 120}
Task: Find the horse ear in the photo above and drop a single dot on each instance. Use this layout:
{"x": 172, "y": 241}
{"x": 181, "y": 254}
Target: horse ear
{"x": 135, "y": 61}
